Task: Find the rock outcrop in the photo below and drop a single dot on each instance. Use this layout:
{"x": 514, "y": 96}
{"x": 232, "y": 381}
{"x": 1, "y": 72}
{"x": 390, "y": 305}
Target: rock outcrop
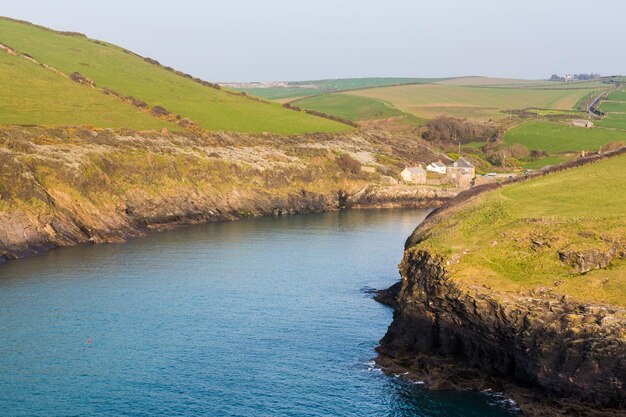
{"x": 586, "y": 260}
{"x": 551, "y": 354}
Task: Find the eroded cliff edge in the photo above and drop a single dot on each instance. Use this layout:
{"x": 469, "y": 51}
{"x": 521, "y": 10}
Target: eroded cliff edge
{"x": 554, "y": 353}
{"x": 63, "y": 186}
{"x": 563, "y": 357}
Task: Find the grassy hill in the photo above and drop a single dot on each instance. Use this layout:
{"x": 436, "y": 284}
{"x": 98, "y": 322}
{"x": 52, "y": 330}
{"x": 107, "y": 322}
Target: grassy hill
{"x": 310, "y": 88}
{"x": 34, "y": 95}
{"x": 131, "y": 75}
{"x": 510, "y": 238}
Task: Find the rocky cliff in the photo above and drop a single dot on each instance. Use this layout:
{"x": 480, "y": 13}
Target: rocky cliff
{"x": 65, "y": 186}
{"x": 553, "y": 355}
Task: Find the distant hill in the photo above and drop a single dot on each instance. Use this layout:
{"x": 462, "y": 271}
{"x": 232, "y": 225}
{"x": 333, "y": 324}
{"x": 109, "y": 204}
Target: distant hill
{"x": 474, "y": 98}
{"x": 295, "y": 89}
{"x": 33, "y": 93}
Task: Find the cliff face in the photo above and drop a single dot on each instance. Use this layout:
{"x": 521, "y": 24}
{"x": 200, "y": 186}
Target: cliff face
{"x": 553, "y": 355}
{"x": 60, "y": 187}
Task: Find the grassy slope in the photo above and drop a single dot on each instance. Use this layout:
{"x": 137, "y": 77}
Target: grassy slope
{"x": 430, "y": 100}
{"x": 110, "y": 66}
{"x": 349, "y": 107}
{"x": 556, "y": 137}
{"x": 34, "y": 95}
{"x": 572, "y": 210}
{"x": 324, "y": 86}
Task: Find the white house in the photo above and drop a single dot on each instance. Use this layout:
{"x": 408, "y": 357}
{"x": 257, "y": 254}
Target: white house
{"x": 415, "y": 175}
{"x": 438, "y": 167}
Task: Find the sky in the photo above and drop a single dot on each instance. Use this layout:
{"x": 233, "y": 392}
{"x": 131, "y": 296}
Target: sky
{"x": 288, "y": 40}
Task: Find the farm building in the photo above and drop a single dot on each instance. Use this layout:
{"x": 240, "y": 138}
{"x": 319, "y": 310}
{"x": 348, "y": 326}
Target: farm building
{"x": 461, "y": 172}
{"x": 438, "y": 167}
{"x": 582, "y": 123}
{"x": 415, "y": 175}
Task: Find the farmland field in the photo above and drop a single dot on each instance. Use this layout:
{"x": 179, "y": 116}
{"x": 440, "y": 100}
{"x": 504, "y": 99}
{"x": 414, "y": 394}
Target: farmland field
{"x": 432, "y": 100}
{"x": 555, "y": 137}
{"x": 542, "y": 162}
{"x": 33, "y": 95}
{"x": 349, "y": 107}
{"x": 618, "y": 95}
{"x": 490, "y": 81}
{"x": 517, "y": 83}
{"x": 613, "y": 106}
{"x": 614, "y": 121}
{"x": 120, "y": 70}
{"x": 309, "y": 88}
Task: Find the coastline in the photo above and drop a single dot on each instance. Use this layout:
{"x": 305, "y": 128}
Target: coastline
{"x": 552, "y": 355}
{"x": 66, "y": 186}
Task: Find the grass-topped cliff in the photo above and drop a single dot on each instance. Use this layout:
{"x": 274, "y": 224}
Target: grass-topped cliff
{"x": 565, "y": 231}
{"x": 37, "y": 91}
{"x": 521, "y": 289}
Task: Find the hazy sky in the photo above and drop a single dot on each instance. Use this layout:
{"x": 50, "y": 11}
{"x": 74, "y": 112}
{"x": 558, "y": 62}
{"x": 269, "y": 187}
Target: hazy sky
{"x": 258, "y": 40}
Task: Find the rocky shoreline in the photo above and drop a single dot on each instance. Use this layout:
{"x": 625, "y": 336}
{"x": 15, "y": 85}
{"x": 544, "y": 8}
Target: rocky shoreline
{"x": 66, "y": 186}
{"x": 23, "y": 235}
{"x": 553, "y": 356}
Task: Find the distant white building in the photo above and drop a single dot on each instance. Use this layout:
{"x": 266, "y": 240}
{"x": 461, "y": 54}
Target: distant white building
{"x": 438, "y": 167}
{"x": 582, "y": 123}
{"x": 415, "y": 175}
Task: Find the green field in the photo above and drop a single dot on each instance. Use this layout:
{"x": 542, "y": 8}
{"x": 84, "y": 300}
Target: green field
{"x": 496, "y": 234}
{"x": 614, "y": 121}
{"x": 556, "y": 137}
{"x": 517, "y": 83}
{"x": 618, "y": 95}
{"x": 350, "y": 107}
{"x": 432, "y": 100}
{"x": 115, "y": 68}
{"x": 546, "y": 161}
{"x": 33, "y": 95}
{"x": 310, "y": 88}
{"x": 613, "y": 106}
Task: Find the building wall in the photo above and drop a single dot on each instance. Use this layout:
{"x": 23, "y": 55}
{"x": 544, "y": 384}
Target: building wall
{"x": 407, "y": 176}
{"x": 461, "y": 176}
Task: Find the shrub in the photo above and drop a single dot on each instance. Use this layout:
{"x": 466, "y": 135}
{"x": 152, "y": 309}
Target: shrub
{"x": 159, "y": 111}
{"x": 348, "y": 164}
{"x": 611, "y": 146}
{"x": 518, "y": 151}
{"x": 452, "y": 130}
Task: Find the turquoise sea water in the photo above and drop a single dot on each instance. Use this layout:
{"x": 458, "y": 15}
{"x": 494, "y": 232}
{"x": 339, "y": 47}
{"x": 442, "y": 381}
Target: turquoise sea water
{"x": 261, "y": 317}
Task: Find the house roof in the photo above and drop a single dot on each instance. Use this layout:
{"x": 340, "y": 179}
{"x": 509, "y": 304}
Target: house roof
{"x": 438, "y": 164}
{"x": 415, "y": 170}
{"x": 462, "y": 163}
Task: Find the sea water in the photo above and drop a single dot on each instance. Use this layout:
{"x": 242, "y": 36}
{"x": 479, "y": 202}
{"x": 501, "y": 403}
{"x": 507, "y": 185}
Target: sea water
{"x": 260, "y": 317}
